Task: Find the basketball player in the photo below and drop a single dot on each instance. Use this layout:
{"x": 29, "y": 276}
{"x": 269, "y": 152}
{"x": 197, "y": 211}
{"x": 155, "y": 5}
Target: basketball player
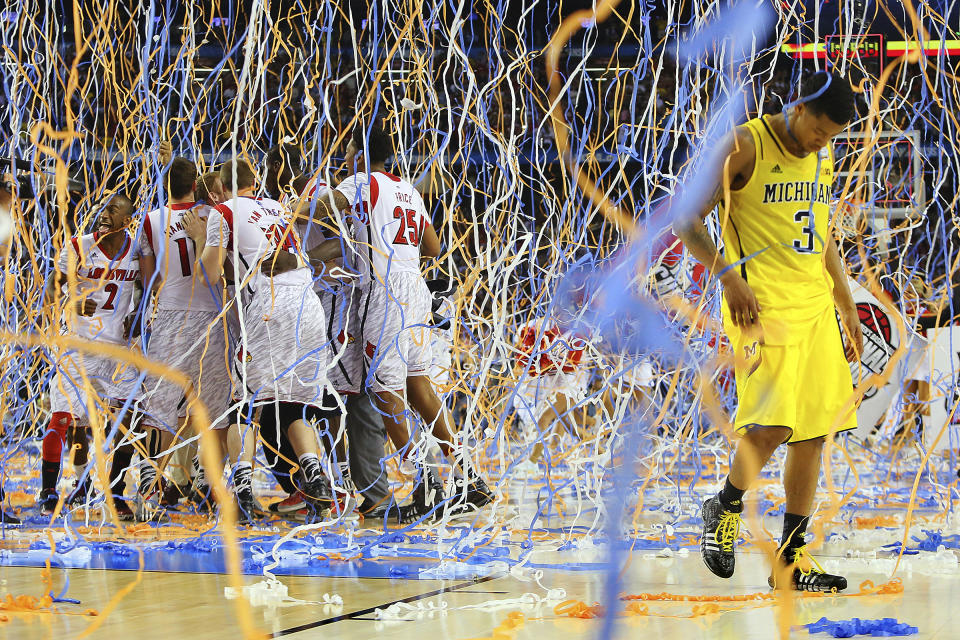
{"x": 284, "y": 182}
{"x": 209, "y": 192}
{"x": 554, "y": 380}
{"x": 106, "y": 269}
{"x": 391, "y": 231}
{"x": 209, "y": 189}
{"x": 281, "y": 358}
{"x": 186, "y": 332}
{"x": 783, "y": 283}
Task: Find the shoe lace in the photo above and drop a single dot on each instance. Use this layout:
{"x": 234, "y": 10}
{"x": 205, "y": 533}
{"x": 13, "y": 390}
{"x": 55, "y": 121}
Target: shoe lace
{"x": 728, "y": 530}
{"x": 802, "y": 558}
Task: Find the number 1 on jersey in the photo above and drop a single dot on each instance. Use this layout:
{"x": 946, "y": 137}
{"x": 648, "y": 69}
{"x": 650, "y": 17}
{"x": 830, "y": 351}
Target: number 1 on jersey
{"x": 185, "y": 262}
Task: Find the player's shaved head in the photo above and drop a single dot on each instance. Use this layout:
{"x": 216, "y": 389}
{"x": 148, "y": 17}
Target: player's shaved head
{"x": 374, "y": 141}
{"x": 237, "y": 174}
{"x": 123, "y": 203}
{"x": 285, "y": 154}
{"x": 181, "y": 177}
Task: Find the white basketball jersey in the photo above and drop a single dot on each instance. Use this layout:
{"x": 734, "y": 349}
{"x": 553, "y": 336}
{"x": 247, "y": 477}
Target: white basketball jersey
{"x": 548, "y": 349}
{"x": 109, "y": 282}
{"x": 388, "y": 219}
{"x": 251, "y": 229}
{"x": 164, "y": 237}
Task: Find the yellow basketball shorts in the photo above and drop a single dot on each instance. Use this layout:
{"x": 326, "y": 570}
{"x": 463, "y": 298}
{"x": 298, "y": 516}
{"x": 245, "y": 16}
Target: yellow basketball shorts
{"x": 804, "y": 384}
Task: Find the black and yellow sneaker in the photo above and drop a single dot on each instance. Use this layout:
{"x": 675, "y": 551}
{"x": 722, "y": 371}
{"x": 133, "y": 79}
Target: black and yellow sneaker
{"x": 721, "y": 526}
{"x": 808, "y": 575}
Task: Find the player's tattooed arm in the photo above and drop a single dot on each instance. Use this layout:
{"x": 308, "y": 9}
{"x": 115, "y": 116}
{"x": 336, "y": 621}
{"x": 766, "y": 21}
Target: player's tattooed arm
{"x": 735, "y": 170}
{"x": 323, "y": 210}
{"x": 148, "y": 272}
{"x": 283, "y": 261}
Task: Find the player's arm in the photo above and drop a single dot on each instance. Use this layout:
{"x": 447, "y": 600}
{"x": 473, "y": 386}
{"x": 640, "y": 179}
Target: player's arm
{"x": 737, "y": 168}
{"x": 57, "y": 279}
{"x": 283, "y": 261}
{"x": 322, "y": 210}
{"x": 429, "y": 242}
{"x": 148, "y": 272}
{"x": 133, "y": 323}
{"x": 843, "y": 299}
{"x": 148, "y": 264}
{"x": 323, "y": 215}
{"x": 211, "y": 255}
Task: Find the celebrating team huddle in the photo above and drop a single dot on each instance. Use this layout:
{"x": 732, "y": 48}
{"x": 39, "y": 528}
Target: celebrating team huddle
{"x": 280, "y": 312}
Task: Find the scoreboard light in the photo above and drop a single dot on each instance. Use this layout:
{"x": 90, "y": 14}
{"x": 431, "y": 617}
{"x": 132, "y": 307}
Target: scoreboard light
{"x": 890, "y": 49}
{"x": 866, "y": 51}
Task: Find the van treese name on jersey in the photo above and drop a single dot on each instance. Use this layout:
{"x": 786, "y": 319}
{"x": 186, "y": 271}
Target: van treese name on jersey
{"x": 800, "y": 191}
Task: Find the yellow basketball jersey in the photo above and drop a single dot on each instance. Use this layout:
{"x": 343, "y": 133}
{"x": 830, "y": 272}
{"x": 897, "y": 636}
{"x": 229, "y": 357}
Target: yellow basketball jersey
{"x": 776, "y": 229}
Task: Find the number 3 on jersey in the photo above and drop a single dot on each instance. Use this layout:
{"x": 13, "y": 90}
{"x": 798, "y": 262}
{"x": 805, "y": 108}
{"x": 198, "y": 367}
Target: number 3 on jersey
{"x": 409, "y": 231}
{"x": 805, "y": 243}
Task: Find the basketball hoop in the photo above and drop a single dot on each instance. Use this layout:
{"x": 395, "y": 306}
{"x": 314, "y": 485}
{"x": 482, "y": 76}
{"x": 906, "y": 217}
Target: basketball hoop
{"x": 850, "y": 212}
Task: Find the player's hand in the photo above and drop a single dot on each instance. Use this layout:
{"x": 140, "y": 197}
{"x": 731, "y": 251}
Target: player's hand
{"x": 86, "y": 308}
{"x": 850, "y": 318}
{"x": 196, "y": 227}
{"x": 744, "y": 308}
{"x": 280, "y": 262}
{"x": 165, "y": 152}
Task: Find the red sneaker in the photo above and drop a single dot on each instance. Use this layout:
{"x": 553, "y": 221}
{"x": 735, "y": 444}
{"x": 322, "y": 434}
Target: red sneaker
{"x": 293, "y": 502}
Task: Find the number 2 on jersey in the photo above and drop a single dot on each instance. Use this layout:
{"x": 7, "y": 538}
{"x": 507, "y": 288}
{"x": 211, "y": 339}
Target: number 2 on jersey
{"x": 409, "y": 232}
{"x": 805, "y": 243}
{"x": 112, "y": 289}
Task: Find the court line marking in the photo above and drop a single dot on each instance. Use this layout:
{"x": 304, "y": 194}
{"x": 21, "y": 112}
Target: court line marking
{"x": 356, "y": 614}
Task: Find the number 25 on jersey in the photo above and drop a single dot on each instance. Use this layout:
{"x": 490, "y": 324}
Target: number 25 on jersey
{"x": 409, "y": 231}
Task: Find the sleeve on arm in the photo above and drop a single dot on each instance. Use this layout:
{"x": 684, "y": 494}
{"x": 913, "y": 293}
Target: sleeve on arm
{"x": 64, "y": 262}
{"x": 219, "y": 227}
{"x": 143, "y": 241}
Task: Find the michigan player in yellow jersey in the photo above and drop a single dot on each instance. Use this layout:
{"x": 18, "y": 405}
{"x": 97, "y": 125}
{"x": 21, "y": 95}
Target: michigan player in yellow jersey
{"x": 784, "y": 286}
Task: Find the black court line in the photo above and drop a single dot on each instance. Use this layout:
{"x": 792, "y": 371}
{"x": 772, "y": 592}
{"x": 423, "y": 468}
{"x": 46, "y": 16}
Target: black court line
{"x": 357, "y": 614}
{"x": 375, "y": 620}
